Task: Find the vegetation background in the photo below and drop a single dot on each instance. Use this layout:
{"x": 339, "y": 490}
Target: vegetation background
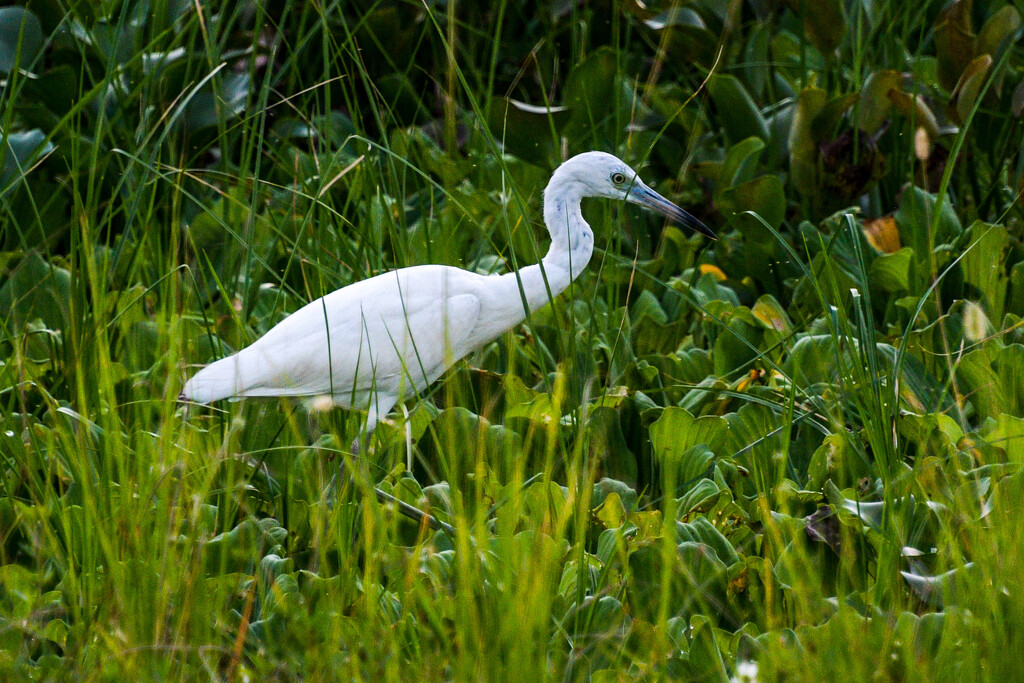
{"x": 791, "y": 454}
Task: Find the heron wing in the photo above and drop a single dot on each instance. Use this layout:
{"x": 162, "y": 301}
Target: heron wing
{"x": 392, "y": 332}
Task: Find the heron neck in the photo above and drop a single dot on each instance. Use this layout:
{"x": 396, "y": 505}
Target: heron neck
{"x": 572, "y": 241}
{"x": 572, "y": 245}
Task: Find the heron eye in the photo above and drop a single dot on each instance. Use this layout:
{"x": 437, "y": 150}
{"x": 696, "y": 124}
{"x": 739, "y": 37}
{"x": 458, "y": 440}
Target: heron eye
{"x": 618, "y": 178}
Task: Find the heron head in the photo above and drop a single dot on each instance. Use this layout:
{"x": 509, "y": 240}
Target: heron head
{"x": 599, "y": 174}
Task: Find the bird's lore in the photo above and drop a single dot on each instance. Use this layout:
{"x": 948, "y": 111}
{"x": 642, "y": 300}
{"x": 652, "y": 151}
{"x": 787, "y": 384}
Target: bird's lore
{"x": 374, "y": 342}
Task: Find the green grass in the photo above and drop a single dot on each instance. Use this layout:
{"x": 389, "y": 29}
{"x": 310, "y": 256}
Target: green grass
{"x": 796, "y": 446}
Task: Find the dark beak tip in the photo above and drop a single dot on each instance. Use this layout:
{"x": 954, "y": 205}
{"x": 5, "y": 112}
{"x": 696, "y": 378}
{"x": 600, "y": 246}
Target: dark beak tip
{"x": 693, "y": 223}
{"x": 706, "y": 231}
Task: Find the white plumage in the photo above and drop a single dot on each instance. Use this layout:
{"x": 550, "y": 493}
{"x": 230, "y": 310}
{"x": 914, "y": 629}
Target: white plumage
{"x": 374, "y": 342}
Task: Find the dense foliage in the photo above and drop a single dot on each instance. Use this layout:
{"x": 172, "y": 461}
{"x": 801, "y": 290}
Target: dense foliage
{"x": 798, "y": 446}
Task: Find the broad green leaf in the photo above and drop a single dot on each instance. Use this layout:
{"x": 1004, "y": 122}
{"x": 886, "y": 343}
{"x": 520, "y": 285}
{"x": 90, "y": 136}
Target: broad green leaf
{"x": 704, "y": 661}
{"x": 827, "y": 121}
{"x": 771, "y": 314}
{"x": 916, "y": 111}
{"x": 593, "y": 90}
{"x": 21, "y": 38}
{"x": 19, "y": 151}
{"x": 803, "y": 148}
{"x": 677, "y": 431}
{"x": 740, "y": 161}
{"x": 965, "y": 94}
{"x": 764, "y": 196}
{"x": 998, "y": 31}
{"x": 984, "y": 267}
{"x": 527, "y": 131}
{"x": 1008, "y": 435}
{"x": 608, "y": 445}
{"x": 736, "y": 110}
{"x": 954, "y": 42}
{"x": 836, "y": 460}
{"x": 596, "y": 616}
{"x": 949, "y": 588}
{"x": 915, "y": 218}
{"x": 824, "y": 23}
{"x": 701, "y": 530}
{"x": 991, "y": 376}
{"x": 36, "y": 289}
{"x": 812, "y": 360}
{"x": 875, "y": 102}
{"x": 891, "y": 272}
{"x": 756, "y": 436}
{"x": 220, "y": 99}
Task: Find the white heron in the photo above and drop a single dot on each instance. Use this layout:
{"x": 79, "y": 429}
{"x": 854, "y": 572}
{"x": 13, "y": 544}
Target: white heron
{"x": 372, "y": 343}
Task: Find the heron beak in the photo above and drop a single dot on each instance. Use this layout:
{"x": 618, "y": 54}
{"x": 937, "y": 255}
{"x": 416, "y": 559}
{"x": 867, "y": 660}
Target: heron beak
{"x": 645, "y": 196}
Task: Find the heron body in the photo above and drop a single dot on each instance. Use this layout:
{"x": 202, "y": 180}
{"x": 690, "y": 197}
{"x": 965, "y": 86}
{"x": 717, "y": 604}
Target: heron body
{"x": 372, "y": 343}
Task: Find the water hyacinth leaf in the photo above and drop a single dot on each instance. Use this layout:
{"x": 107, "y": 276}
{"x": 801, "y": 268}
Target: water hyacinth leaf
{"x": 984, "y": 267}
{"x": 700, "y": 497}
{"x": 934, "y": 433}
{"x": 21, "y": 38}
{"x": 918, "y": 388}
{"x": 736, "y": 346}
{"x": 677, "y": 431}
{"x": 770, "y": 312}
{"x": 891, "y": 272}
{"x": 954, "y": 42}
{"x": 685, "y": 35}
{"x": 235, "y": 550}
{"x": 824, "y": 23}
{"x": 736, "y": 110}
{"x": 591, "y": 89}
{"x": 756, "y": 435}
{"x": 704, "y": 660}
{"x": 991, "y": 377}
{"x": 740, "y": 162}
{"x": 812, "y": 360}
{"x": 527, "y": 131}
{"x": 763, "y": 196}
{"x": 647, "y": 305}
{"x": 827, "y": 121}
{"x": 700, "y": 530}
{"x": 756, "y": 54}
{"x": 56, "y": 90}
{"x": 608, "y": 443}
{"x": 915, "y": 219}
{"x": 803, "y": 148}
{"x": 611, "y": 511}
{"x": 943, "y": 589}
{"x": 35, "y": 289}
{"x": 965, "y": 94}
{"x": 220, "y": 99}
{"x": 837, "y": 461}
{"x": 595, "y": 616}
{"x": 998, "y": 31}
{"x": 875, "y": 103}
{"x": 1007, "y": 434}
{"x": 19, "y": 152}
{"x": 914, "y": 109}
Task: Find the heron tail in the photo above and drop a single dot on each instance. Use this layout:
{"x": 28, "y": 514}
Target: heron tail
{"x": 218, "y": 380}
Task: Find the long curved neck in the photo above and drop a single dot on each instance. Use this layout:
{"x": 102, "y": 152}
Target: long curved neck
{"x": 572, "y": 245}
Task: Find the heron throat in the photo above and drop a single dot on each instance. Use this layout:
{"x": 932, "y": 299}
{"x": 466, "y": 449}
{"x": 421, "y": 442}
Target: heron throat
{"x": 572, "y": 240}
